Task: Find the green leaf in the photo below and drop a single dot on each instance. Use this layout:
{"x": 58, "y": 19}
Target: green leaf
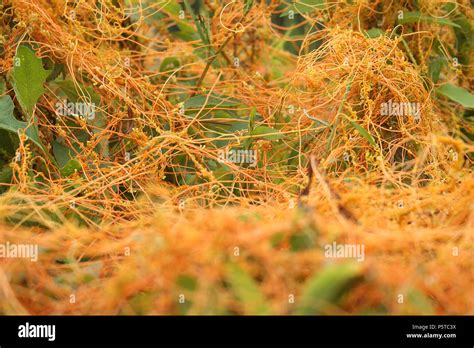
{"x": 61, "y": 152}
{"x": 416, "y": 16}
{"x": 316, "y": 120}
{"x": 327, "y": 287}
{"x": 2, "y": 85}
{"x": 277, "y": 239}
{"x": 457, "y": 94}
{"x": 187, "y": 282}
{"x": 142, "y": 302}
{"x": 58, "y": 69}
{"x": 223, "y": 174}
{"x": 267, "y": 133}
{"x": 186, "y": 30}
{"x": 417, "y": 303}
{"x": 172, "y": 7}
{"x": 374, "y": 33}
{"x": 6, "y": 175}
{"x": 169, "y": 64}
{"x": 465, "y": 26}
{"x": 435, "y": 66}
{"x": 70, "y": 168}
{"x": 463, "y": 39}
{"x": 8, "y": 143}
{"x": 301, "y": 241}
{"x": 341, "y": 106}
{"x": 253, "y": 112}
{"x": 77, "y": 93}
{"x": 362, "y": 131}
{"x": 304, "y": 6}
{"x": 247, "y": 291}
{"x": 214, "y": 100}
{"x": 248, "y": 6}
{"x": 201, "y": 26}
{"x": 28, "y": 78}
{"x": 9, "y": 123}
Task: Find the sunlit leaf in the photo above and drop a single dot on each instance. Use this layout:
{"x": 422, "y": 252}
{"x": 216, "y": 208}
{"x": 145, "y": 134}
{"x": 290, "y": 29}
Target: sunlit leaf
{"x": 457, "y": 94}
{"x": 28, "y": 78}
{"x": 70, "y": 168}
{"x": 416, "y": 16}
